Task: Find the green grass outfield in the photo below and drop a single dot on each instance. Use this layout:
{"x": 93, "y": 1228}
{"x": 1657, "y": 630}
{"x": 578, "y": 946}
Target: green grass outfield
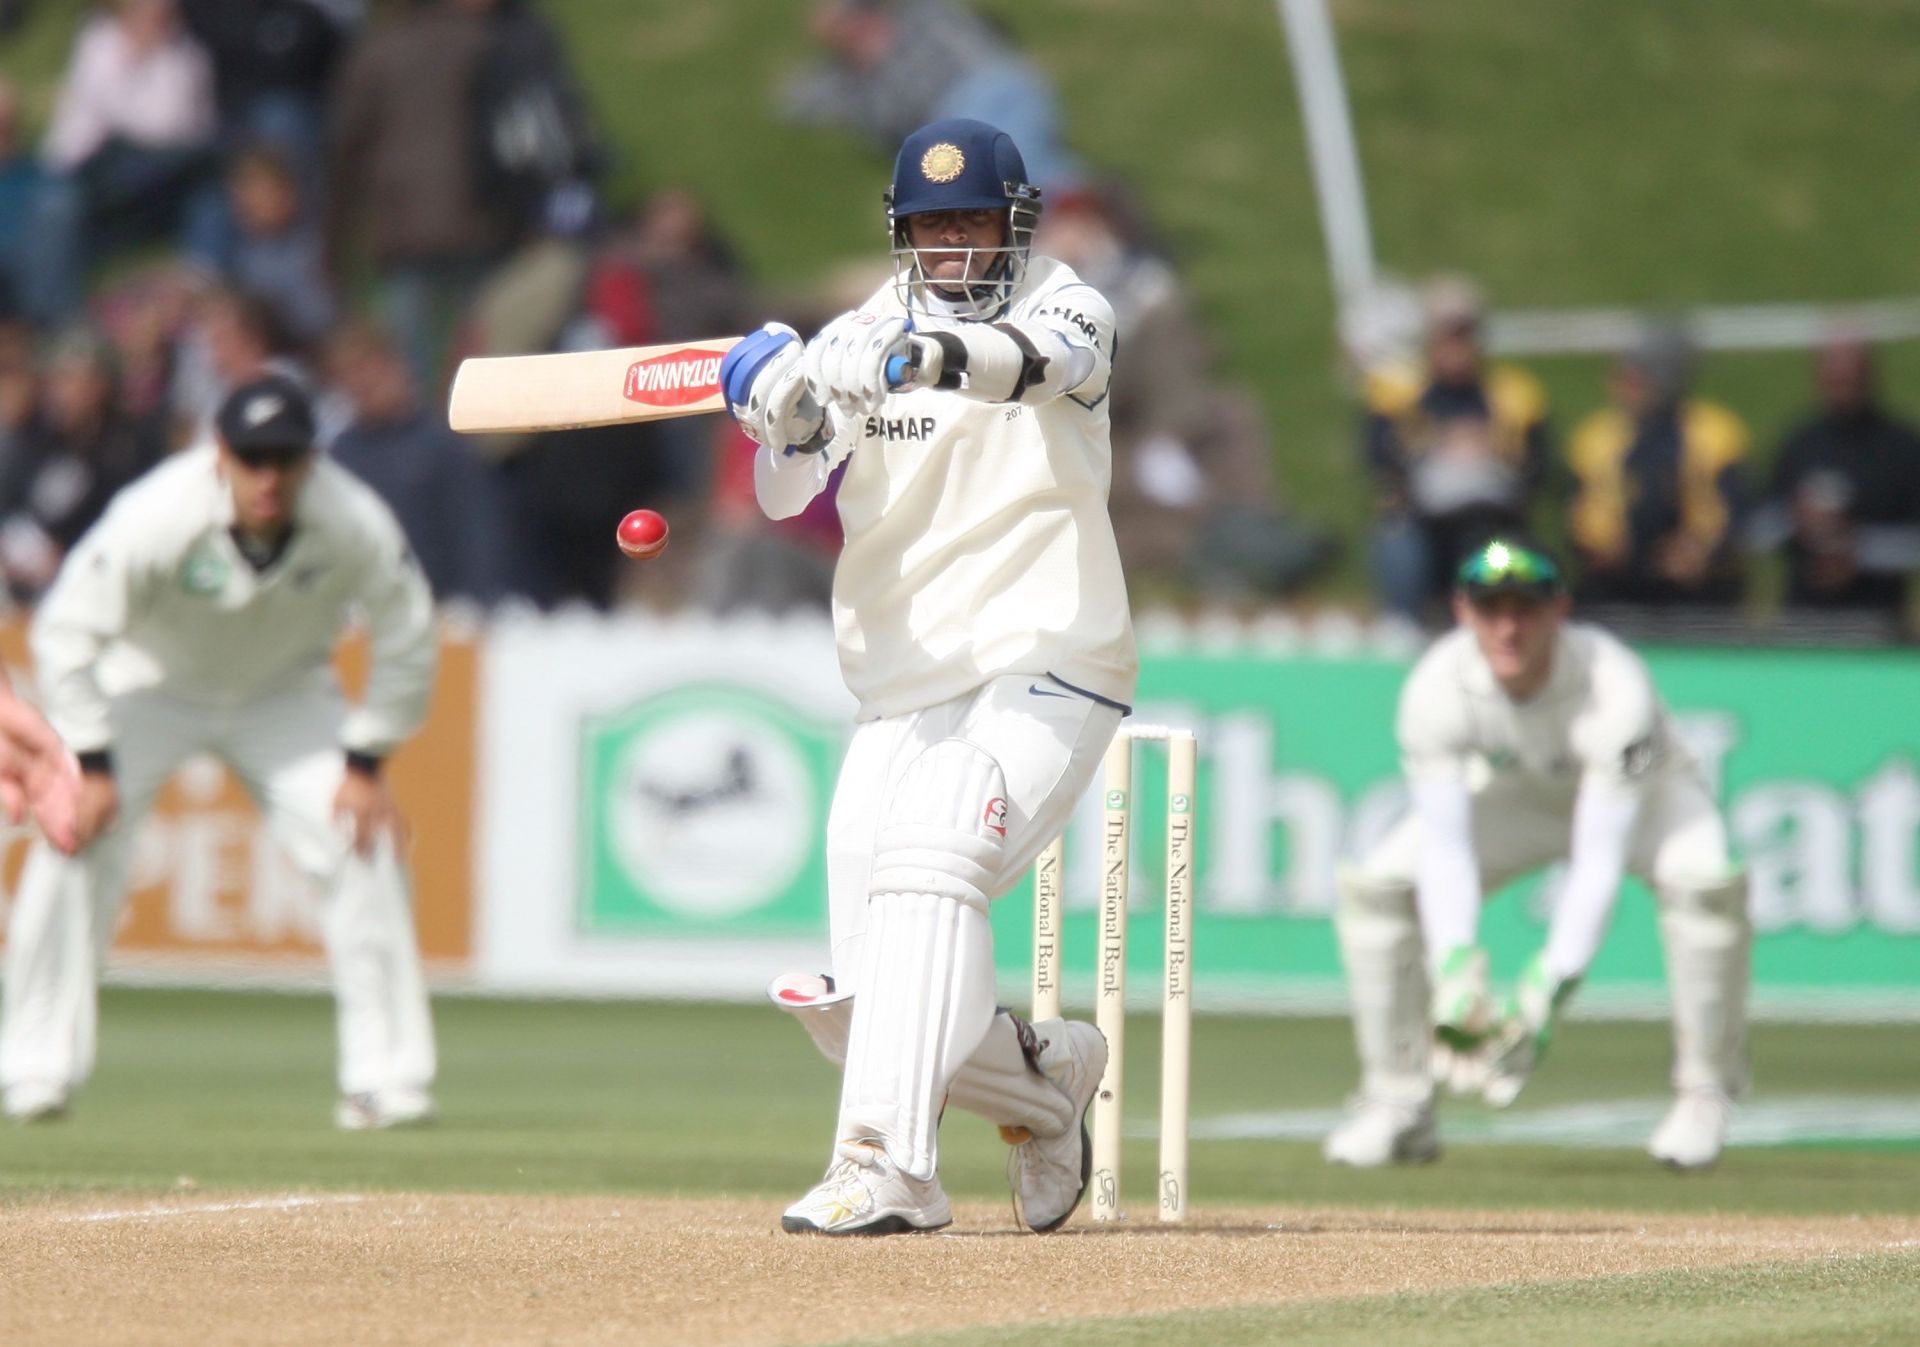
{"x": 1867, "y": 1301}
{"x": 233, "y": 1090}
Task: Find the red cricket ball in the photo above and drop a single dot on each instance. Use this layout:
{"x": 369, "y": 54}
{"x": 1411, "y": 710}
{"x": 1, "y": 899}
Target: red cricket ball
{"x": 642, "y": 534}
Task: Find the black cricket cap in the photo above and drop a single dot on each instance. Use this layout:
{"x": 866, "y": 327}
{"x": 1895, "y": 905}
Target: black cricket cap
{"x": 267, "y": 418}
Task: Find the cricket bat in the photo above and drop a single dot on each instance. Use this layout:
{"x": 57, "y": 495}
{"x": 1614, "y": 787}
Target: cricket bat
{"x": 576, "y": 389}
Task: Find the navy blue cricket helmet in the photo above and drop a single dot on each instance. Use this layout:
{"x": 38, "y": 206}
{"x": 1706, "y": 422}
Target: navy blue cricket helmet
{"x": 962, "y": 164}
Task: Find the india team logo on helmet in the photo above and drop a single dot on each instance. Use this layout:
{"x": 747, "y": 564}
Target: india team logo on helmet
{"x": 959, "y": 164}
{"x": 943, "y": 163}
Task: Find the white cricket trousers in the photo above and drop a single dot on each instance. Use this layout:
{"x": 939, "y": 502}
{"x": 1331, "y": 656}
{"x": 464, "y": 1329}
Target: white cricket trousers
{"x": 1047, "y": 744}
{"x": 936, "y": 814}
{"x": 285, "y": 749}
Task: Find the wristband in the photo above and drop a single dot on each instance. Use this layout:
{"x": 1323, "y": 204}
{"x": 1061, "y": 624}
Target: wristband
{"x": 366, "y": 764}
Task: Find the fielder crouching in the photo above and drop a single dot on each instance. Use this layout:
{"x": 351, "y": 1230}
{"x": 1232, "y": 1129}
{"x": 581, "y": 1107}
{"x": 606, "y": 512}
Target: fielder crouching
{"x": 1528, "y": 740}
{"x": 199, "y": 616}
{"x": 983, "y": 623}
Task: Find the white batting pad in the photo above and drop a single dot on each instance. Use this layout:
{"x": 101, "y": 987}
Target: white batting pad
{"x": 945, "y": 828}
{"x": 926, "y": 1000}
{"x": 1709, "y": 944}
{"x": 1380, "y": 944}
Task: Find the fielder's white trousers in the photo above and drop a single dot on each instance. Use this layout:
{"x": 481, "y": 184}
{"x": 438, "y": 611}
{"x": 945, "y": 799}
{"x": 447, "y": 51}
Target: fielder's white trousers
{"x": 1678, "y": 849}
{"x": 285, "y": 749}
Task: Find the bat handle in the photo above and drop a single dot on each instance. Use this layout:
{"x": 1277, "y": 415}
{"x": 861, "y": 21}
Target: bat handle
{"x": 919, "y": 367}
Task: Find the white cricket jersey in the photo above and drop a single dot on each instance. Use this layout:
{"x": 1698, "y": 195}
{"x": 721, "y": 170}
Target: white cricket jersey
{"x": 1598, "y": 719}
{"x": 977, "y": 536}
{"x": 158, "y": 595}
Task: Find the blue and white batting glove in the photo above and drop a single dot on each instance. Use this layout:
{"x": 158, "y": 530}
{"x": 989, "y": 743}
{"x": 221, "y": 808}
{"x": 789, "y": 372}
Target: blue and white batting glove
{"x": 847, "y": 362}
{"x": 766, "y": 389}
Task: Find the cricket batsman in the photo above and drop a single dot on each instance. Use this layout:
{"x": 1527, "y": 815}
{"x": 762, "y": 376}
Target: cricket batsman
{"x": 1528, "y": 739}
{"x": 199, "y": 615}
{"x": 983, "y": 624}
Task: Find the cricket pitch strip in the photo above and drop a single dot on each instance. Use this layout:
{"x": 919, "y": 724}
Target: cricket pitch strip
{"x": 377, "y": 1268}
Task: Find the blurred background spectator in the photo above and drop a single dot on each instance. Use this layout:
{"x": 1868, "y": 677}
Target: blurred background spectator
{"x": 19, "y": 180}
{"x": 1193, "y": 499}
{"x": 1845, "y": 496}
{"x": 536, "y": 150}
{"x": 1456, "y": 446}
{"x": 1660, "y": 484}
{"x": 895, "y": 65}
{"x": 70, "y": 452}
{"x": 129, "y": 156}
{"x": 455, "y": 130}
{"x": 13, "y": 13}
{"x": 451, "y": 504}
{"x": 19, "y": 384}
{"x": 272, "y": 61}
{"x": 275, "y": 252}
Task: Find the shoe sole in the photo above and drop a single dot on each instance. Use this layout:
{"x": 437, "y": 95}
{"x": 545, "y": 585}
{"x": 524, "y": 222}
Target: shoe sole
{"x": 886, "y": 1225}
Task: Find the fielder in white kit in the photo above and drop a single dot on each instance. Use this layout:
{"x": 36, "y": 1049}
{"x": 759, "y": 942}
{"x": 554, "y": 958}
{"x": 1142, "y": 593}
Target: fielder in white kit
{"x": 199, "y": 616}
{"x": 983, "y": 624}
{"x": 1527, "y": 740}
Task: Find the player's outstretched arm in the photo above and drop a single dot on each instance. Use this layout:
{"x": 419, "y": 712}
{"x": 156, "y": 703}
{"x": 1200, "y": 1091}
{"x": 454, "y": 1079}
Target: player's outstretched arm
{"x": 1603, "y": 819}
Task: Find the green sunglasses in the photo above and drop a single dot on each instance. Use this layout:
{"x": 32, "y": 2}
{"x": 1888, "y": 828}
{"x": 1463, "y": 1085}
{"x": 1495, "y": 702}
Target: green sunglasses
{"x": 1505, "y": 565}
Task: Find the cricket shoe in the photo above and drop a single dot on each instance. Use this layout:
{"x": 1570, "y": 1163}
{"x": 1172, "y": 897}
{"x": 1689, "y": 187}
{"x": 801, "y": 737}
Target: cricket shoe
{"x": 374, "y": 1110}
{"x": 1462, "y": 1006}
{"x": 865, "y": 1193}
{"x": 1383, "y": 1131}
{"x": 35, "y": 1101}
{"x": 1694, "y": 1130}
{"x": 1525, "y": 1030}
{"x": 1049, "y": 1174}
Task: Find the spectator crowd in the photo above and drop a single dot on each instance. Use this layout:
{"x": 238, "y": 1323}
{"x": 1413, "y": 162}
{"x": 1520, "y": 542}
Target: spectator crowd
{"x": 359, "y": 195}
{"x": 355, "y": 199}
{"x": 1657, "y": 492}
